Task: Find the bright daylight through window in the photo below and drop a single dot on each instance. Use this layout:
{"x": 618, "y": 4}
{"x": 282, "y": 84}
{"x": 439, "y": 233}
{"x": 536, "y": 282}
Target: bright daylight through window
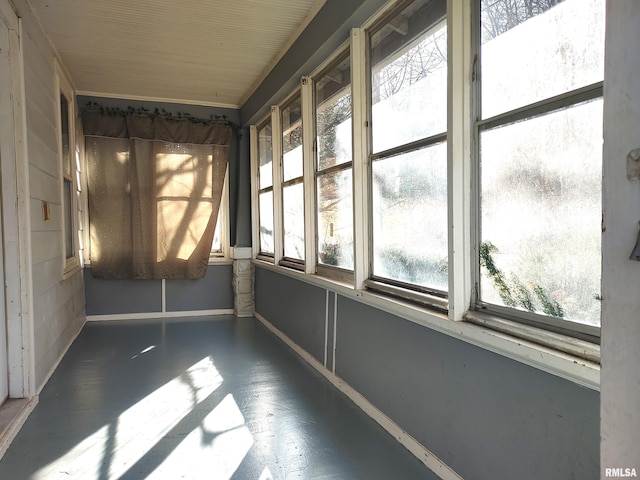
{"x": 509, "y": 186}
{"x": 292, "y": 186}
{"x": 408, "y": 54}
{"x": 540, "y": 150}
{"x": 265, "y": 195}
{"x": 334, "y": 165}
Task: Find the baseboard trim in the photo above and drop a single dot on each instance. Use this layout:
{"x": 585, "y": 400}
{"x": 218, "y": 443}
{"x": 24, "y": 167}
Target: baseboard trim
{"x": 156, "y": 315}
{"x": 24, "y": 408}
{"x": 432, "y": 462}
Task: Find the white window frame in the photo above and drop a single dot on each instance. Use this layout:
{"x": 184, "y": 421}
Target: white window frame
{"x": 501, "y": 317}
{"x": 278, "y": 178}
{"x": 255, "y": 185}
{"x": 222, "y": 255}
{"x": 562, "y": 355}
{"x": 63, "y": 87}
{"x": 414, "y": 293}
{"x": 309, "y": 116}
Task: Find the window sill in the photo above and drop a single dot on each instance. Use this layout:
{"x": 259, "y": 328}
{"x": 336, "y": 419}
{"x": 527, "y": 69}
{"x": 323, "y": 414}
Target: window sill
{"x": 220, "y": 261}
{"x": 71, "y": 267}
{"x": 481, "y": 333}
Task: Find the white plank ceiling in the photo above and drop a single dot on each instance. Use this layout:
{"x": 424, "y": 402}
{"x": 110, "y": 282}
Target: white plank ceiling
{"x": 208, "y": 52}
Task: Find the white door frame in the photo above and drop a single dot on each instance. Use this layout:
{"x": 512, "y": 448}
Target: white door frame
{"x": 16, "y": 212}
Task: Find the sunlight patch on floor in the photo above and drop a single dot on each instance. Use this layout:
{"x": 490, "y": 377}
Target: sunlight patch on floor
{"x": 217, "y": 447}
{"x": 115, "y": 447}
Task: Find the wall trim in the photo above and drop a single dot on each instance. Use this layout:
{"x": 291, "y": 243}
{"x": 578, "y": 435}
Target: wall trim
{"x": 432, "y": 462}
{"x": 156, "y": 315}
{"x": 20, "y": 409}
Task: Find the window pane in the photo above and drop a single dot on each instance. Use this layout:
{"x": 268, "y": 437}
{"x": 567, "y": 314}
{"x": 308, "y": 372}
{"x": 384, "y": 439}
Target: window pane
{"x": 335, "y": 219}
{"x": 293, "y": 207}
{"x": 333, "y": 116}
{"x": 541, "y": 213}
{"x": 410, "y": 217}
{"x": 292, "y": 140}
{"x": 216, "y": 245}
{"x": 64, "y": 136}
{"x": 266, "y": 222}
{"x": 69, "y": 247}
{"x": 265, "y": 152}
{"x": 532, "y": 50}
{"x": 409, "y": 76}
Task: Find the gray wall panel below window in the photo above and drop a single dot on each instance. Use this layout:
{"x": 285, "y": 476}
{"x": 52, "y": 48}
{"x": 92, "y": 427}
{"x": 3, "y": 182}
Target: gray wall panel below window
{"x": 295, "y": 308}
{"x": 113, "y": 297}
{"x": 484, "y": 415}
{"x": 213, "y": 292}
{"x": 121, "y": 297}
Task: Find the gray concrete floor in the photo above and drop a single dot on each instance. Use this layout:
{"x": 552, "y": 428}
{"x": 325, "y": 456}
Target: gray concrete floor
{"x": 197, "y": 399}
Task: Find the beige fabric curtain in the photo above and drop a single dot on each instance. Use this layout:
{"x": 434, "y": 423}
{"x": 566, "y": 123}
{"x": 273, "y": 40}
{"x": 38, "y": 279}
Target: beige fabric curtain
{"x": 154, "y": 187}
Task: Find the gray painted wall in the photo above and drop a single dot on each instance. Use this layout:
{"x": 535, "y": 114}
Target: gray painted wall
{"x": 115, "y": 297}
{"x": 484, "y": 415}
{"x": 296, "y": 308}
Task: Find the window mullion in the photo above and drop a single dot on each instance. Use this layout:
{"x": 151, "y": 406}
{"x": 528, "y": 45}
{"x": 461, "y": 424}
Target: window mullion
{"x": 361, "y": 148}
{"x": 278, "y": 223}
{"x": 459, "y": 127}
{"x": 308, "y": 159}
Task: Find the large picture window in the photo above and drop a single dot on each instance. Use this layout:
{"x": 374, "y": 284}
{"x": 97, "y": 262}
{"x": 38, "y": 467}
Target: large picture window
{"x": 292, "y": 181}
{"x": 265, "y": 185}
{"x": 408, "y": 55}
{"x": 334, "y": 164}
{"x": 540, "y": 151}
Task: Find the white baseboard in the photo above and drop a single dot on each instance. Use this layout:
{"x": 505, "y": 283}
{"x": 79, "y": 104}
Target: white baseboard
{"x": 24, "y": 409}
{"x": 432, "y": 462}
{"x": 155, "y": 315}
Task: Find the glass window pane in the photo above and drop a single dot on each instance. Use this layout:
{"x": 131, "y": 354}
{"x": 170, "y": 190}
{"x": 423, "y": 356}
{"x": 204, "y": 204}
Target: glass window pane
{"x": 292, "y": 140}
{"x": 409, "y": 76}
{"x": 293, "y": 209}
{"x": 265, "y": 152}
{"x": 216, "y": 245}
{"x": 541, "y": 213}
{"x": 68, "y": 219}
{"x": 266, "y": 222}
{"x": 64, "y": 136}
{"x": 410, "y": 217}
{"x": 333, "y": 116}
{"x": 535, "y": 50}
{"x": 335, "y": 219}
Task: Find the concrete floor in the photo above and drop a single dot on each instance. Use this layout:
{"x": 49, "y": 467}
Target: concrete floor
{"x": 197, "y": 399}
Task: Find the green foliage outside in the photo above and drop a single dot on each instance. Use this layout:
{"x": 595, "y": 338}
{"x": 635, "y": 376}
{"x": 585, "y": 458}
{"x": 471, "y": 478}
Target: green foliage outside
{"x": 512, "y": 291}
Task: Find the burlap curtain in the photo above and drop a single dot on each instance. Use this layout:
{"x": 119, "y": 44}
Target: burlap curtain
{"x": 154, "y": 187}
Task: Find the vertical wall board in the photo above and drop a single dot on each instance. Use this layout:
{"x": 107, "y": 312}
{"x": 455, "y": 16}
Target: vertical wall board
{"x": 620, "y": 385}
{"x": 112, "y": 297}
{"x": 295, "y": 308}
{"x": 484, "y": 415}
{"x": 213, "y": 292}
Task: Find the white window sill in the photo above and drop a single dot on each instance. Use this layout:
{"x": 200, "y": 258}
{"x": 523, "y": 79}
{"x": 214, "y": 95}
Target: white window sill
{"x": 509, "y": 344}
{"x": 220, "y": 260}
